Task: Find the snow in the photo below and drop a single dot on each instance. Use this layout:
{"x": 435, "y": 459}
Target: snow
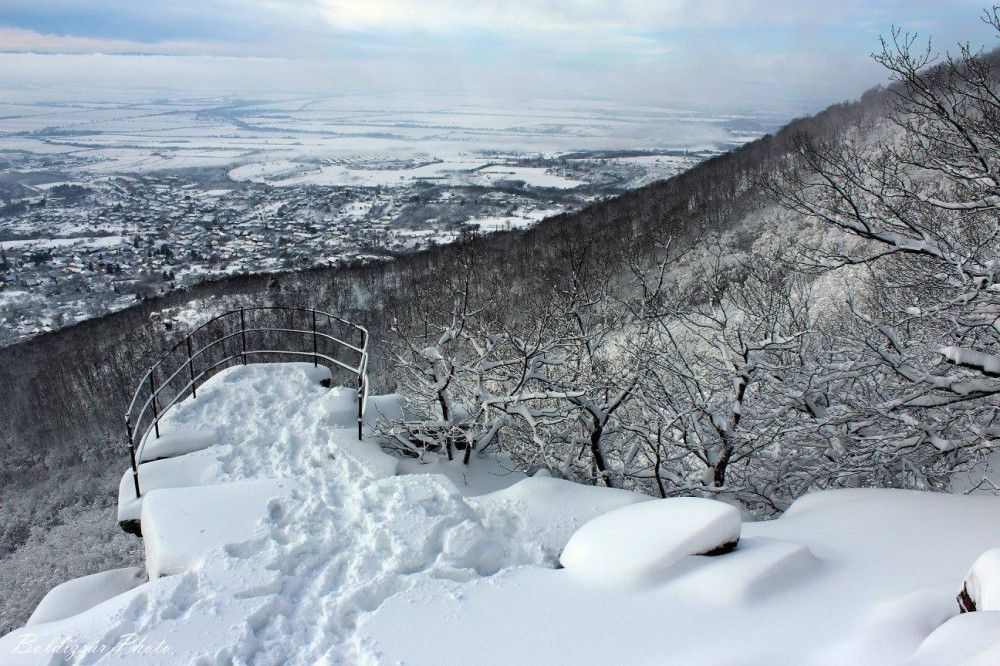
{"x": 522, "y": 220}
{"x": 195, "y": 469}
{"x": 759, "y": 567}
{"x": 457, "y": 170}
{"x": 80, "y": 594}
{"x": 292, "y": 577}
{"x": 174, "y": 443}
{"x": 637, "y": 545}
{"x": 483, "y": 476}
{"x": 42, "y": 243}
{"x": 988, "y": 363}
{"x": 971, "y": 639}
{"x": 983, "y": 581}
{"x": 532, "y": 176}
{"x": 846, "y": 577}
{"x": 289, "y": 541}
{"x": 982, "y": 478}
{"x": 545, "y": 512}
{"x": 181, "y": 525}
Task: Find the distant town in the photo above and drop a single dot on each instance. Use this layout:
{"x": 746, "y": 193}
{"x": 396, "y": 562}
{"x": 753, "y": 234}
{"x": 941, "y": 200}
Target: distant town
{"x": 95, "y": 216}
{"x": 74, "y": 247}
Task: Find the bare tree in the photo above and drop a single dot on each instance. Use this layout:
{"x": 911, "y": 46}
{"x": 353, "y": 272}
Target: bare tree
{"x": 919, "y": 361}
{"x": 720, "y": 376}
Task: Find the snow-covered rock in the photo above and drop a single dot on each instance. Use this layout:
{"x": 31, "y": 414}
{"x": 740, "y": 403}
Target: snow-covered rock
{"x": 180, "y": 526}
{"x": 981, "y": 590}
{"x": 199, "y": 468}
{"x": 757, "y": 568}
{"x": 174, "y": 442}
{"x": 637, "y": 544}
{"x": 80, "y": 594}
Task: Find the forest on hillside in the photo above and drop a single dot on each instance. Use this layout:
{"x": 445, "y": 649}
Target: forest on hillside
{"x": 817, "y": 309}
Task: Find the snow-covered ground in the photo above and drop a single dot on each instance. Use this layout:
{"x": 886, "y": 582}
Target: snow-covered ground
{"x": 459, "y": 170}
{"x": 41, "y": 243}
{"x": 271, "y": 139}
{"x": 301, "y": 544}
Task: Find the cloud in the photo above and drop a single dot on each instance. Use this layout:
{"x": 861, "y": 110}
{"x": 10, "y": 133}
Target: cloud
{"x": 724, "y": 51}
{"x": 442, "y": 16}
{"x": 21, "y": 40}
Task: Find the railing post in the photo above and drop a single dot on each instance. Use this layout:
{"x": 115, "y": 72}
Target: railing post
{"x": 131, "y": 451}
{"x": 361, "y": 406}
{"x": 243, "y": 335}
{"x": 194, "y": 385}
{"x": 315, "y": 357}
{"x": 156, "y": 409}
{"x": 362, "y": 382}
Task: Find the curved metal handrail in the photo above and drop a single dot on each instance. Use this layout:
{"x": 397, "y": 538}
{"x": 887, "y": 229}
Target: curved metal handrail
{"x": 137, "y": 435}
{"x": 241, "y": 312}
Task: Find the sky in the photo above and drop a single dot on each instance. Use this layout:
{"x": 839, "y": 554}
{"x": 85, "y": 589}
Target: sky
{"x": 712, "y": 53}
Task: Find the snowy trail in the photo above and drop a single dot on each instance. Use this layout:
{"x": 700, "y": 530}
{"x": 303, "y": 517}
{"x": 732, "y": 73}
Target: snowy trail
{"x": 350, "y": 537}
{"x": 348, "y": 540}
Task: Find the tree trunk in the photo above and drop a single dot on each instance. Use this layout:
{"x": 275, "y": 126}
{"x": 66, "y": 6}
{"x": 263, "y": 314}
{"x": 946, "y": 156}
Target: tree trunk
{"x": 595, "y": 451}
{"x": 721, "y": 465}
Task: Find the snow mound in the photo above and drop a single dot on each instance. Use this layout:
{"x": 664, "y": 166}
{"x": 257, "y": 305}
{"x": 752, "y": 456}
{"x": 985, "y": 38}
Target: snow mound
{"x": 545, "y": 511}
{"x": 80, "y": 594}
{"x": 385, "y": 407}
{"x": 175, "y": 443}
{"x": 970, "y": 639}
{"x": 981, "y": 591}
{"x": 180, "y": 526}
{"x": 636, "y": 545}
{"x": 893, "y": 627}
{"x": 483, "y": 475}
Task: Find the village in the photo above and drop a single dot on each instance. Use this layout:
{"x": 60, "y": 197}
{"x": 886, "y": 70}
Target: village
{"x": 75, "y": 245}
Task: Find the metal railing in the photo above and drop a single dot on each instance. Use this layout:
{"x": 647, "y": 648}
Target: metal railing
{"x": 181, "y": 363}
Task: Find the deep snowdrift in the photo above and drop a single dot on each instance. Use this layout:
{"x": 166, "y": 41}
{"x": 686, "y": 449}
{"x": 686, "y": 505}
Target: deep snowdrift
{"x": 302, "y": 545}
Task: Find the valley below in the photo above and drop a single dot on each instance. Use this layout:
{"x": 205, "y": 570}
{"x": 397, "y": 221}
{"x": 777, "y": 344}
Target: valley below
{"x": 107, "y": 202}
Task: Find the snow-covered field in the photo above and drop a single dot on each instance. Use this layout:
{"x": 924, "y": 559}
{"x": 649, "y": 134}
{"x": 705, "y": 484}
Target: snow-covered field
{"x": 284, "y": 173}
{"x": 316, "y": 140}
{"x": 281, "y": 538}
{"x": 41, "y": 243}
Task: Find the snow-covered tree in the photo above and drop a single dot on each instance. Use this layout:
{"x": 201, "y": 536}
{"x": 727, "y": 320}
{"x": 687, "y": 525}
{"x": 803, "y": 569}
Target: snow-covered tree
{"x": 919, "y": 362}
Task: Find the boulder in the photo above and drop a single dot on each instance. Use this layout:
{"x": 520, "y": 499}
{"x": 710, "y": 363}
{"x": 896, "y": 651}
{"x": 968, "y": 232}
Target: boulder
{"x": 637, "y": 544}
{"x": 981, "y": 589}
